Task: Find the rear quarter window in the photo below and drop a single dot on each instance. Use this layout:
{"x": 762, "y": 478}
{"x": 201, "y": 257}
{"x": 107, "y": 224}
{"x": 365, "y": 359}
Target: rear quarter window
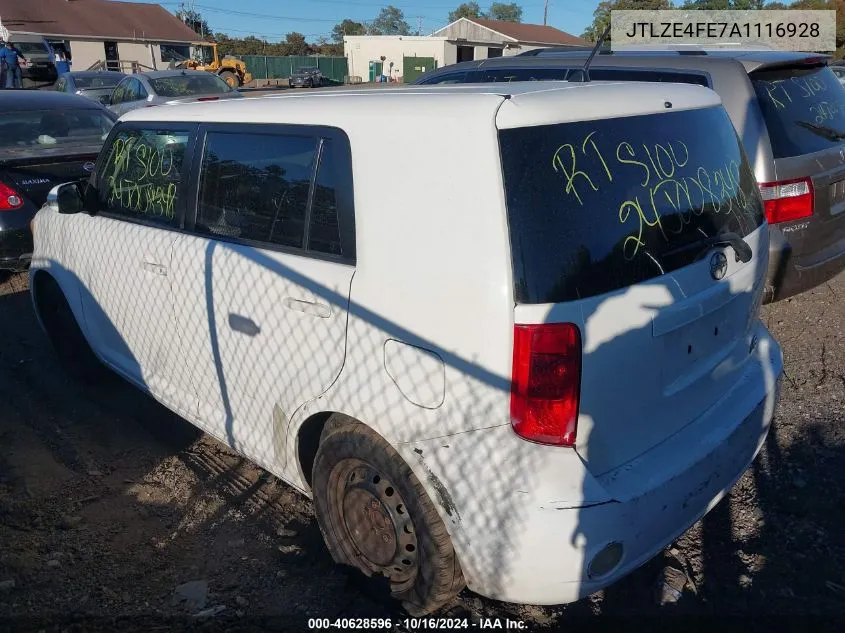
{"x": 804, "y": 109}
{"x": 596, "y": 206}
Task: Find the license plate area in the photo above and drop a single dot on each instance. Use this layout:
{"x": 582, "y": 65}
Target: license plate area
{"x": 694, "y": 349}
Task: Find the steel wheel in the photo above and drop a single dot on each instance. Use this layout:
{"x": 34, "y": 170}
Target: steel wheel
{"x": 376, "y": 516}
{"x": 379, "y": 530}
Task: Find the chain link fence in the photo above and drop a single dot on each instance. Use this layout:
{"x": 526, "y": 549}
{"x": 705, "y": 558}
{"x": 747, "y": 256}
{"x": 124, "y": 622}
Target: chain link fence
{"x": 275, "y": 67}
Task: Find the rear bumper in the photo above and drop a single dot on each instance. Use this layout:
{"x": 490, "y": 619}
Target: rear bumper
{"x": 790, "y": 273}
{"x": 15, "y": 249}
{"x": 527, "y": 520}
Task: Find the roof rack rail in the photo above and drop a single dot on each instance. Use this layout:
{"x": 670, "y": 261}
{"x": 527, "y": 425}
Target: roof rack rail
{"x": 536, "y": 52}
{"x": 650, "y": 49}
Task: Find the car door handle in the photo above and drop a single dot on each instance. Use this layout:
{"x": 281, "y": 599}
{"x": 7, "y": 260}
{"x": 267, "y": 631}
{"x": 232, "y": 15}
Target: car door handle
{"x": 308, "y": 307}
{"x": 156, "y": 269}
{"x": 244, "y": 325}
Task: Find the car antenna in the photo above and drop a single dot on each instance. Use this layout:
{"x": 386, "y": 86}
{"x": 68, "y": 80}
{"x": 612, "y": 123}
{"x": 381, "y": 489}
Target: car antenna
{"x": 585, "y": 70}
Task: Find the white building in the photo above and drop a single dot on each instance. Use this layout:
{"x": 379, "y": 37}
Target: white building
{"x": 406, "y": 57}
{"x": 101, "y": 30}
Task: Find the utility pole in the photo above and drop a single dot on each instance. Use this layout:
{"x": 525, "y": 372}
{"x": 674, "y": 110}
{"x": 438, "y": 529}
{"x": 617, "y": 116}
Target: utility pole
{"x": 545, "y": 12}
{"x": 419, "y": 24}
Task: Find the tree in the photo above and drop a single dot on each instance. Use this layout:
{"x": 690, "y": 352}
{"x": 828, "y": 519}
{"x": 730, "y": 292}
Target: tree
{"x": 466, "y": 10}
{"x": 719, "y": 5}
{"x": 347, "y": 27}
{"x": 505, "y": 12}
{"x": 390, "y": 21}
{"x": 295, "y": 44}
{"x": 601, "y": 16}
{"x": 812, "y": 4}
{"x": 194, "y": 21}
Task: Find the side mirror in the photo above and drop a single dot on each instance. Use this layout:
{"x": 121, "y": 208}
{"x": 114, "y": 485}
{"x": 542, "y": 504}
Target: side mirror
{"x": 90, "y": 198}
{"x": 66, "y": 198}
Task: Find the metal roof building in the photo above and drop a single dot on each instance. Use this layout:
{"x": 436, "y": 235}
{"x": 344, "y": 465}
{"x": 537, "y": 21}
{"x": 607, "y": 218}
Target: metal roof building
{"x": 466, "y": 39}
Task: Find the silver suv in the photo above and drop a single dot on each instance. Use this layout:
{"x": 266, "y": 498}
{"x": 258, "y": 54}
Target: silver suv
{"x": 786, "y": 107}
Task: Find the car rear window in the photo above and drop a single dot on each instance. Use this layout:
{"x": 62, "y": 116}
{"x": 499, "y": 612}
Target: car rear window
{"x": 188, "y": 86}
{"x": 804, "y": 109}
{"x": 53, "y": 128}
{"x": 98, "y": 81}
{"x": 30, "y": 48}
{"x": 596, "y": 206}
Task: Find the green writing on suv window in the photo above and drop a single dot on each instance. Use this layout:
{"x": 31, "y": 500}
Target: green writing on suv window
{"x": 142, "y": 174}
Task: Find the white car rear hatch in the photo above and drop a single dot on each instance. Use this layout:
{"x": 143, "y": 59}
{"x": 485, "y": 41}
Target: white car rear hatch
{"x": 643, "y": 228}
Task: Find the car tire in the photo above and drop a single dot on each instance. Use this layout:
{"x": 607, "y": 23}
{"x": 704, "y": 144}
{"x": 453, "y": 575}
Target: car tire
{"x": 376, "y": 516}
{"x": 230, "y": 78}
{"x": 66, "y": 337}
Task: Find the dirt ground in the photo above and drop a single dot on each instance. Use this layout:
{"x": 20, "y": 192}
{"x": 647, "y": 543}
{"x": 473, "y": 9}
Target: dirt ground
{"x": 109, "y": 505}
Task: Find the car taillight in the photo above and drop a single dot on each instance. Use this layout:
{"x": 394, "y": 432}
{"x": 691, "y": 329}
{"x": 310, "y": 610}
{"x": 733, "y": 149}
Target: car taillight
{"x": 546, "y": 382}
{"x": 787, "y": 200}
{"x": 9, "y": 198}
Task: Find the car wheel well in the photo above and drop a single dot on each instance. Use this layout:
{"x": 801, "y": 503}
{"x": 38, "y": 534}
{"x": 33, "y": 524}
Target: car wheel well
{"x": 311, "y": 433}
{"x": 42, "y": 283}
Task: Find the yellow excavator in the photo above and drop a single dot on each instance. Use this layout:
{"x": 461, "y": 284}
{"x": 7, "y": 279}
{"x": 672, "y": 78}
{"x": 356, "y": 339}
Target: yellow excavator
{"x": 205, "y": 57}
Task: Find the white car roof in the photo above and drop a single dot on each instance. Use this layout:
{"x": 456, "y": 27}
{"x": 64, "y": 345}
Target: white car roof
{"x": 513, "y": 104}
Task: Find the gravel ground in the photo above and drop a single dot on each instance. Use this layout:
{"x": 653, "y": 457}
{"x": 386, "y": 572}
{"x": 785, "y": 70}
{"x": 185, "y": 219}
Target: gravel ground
{"x": 109, "y": 505}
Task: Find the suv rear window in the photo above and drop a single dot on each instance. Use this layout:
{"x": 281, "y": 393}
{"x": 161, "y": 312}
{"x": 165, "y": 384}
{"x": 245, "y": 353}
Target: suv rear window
{"x": 596, "y": 206}
{"x": 804, "y": 109}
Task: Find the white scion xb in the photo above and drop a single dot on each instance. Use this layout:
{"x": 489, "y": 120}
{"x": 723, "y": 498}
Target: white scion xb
{"x": 504, "y": 336}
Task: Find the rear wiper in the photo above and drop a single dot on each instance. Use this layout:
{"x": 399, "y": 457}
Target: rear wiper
{"x": 741, "y": 248}
{"x": 822, "y": 130}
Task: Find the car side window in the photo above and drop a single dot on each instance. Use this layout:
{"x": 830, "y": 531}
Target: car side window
{"x": 448, "y": 78}
{"x": 265, "y": 188}
{"x": 657, "y": 76}
{"x": 523, "y": 74}
{"x": 323, "y": 229}
{"x": 119, "y": 94}
{"x": 132, "y": 92}
{"x": 255, "y": 187}
{"x": 141, "y": 175}
{"x": 141, "y": 92}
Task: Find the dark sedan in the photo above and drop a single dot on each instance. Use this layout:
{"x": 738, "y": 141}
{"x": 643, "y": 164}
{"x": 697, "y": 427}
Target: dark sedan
{"x": 46, "y": 139}
{"x": 97, "y": 86}
{"x": 307, "y": 78}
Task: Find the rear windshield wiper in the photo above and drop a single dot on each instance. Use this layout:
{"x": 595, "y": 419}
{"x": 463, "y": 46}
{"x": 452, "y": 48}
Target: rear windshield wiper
{"x": 822, "y": 130}
{"x": 741, "y": 248}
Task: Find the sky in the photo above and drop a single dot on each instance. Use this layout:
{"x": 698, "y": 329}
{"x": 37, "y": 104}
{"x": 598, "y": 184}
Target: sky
{"x": 315, "y": 18}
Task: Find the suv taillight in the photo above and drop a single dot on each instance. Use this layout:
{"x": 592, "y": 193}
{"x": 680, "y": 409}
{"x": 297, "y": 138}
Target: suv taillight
{"x": 546, "y": 382}
{"x": 9, "y": 198}
{"x": 787, "y": 200}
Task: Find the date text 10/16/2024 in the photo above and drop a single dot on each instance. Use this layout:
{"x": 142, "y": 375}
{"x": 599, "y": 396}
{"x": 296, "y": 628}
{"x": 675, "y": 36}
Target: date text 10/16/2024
{"x": 418, "y": 624}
